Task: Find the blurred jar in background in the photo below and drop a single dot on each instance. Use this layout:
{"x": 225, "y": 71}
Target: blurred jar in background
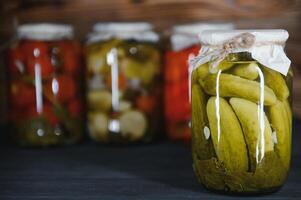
{"x": 7, "y": 37}
{"x": 45, "y": 73}
{"x": 183, "y": 43}
{"x": 123, "y": 83}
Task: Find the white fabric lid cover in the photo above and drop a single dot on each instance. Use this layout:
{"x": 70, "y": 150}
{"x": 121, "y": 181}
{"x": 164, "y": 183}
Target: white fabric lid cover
{"x": 267, "y": 49}
{"x": 122, "y": 26}
{"x": 186, "y": 35}
{"x": 218, "y": 37}
{"x": 45, "y": 31}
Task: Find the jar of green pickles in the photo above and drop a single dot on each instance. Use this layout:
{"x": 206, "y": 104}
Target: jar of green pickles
{"x": 45, "y": 76}
{"x": 123, "y": 83}
{"x": 241, "y": 111}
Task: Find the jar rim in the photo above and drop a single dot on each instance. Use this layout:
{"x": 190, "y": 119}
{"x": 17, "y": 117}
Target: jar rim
{"x": 45, "y": 31}
{"x": 122, "y": 26}
{"x": 196, "y": 28}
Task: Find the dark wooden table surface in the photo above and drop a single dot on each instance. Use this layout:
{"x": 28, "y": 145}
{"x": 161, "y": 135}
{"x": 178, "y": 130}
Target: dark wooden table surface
{"x": 90, "y": 171}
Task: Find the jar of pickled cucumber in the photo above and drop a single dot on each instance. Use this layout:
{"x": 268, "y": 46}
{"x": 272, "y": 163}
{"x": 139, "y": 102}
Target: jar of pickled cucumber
{"x": 183, "y": 43}
{"x": 45, "y": 74}
{"x": 241, "y": 111}
{"x": 123, "y": 83}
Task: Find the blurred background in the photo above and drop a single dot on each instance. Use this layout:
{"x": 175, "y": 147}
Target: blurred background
{"x": 163, "y": 14}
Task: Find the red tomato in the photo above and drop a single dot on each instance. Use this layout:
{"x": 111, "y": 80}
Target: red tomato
{"x": 168, "y": 103}
{"x": 43, "y": 62}
{"x": 71, "y": 63}
{"x": 17, "y": 115}
{"x": 15, "y": 61}
{"x": 21, "y": 95}
{"x": 70, "y": 46}
{"x": 177, "y": 106}
{"x": 62, "y": 87}
{"x": 146, "y": 104}
{"x": 75, "y": 108}
{"x": 71, "y": 56}
{"x": 34, "y": 49}
{"x": 176, "y": 63}
{"x": 49, "y": 114}
{"x": 173, "y": 66}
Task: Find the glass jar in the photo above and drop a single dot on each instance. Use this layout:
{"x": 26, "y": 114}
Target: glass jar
{"x": 184, "y": 42}
{"x": 123, "y": 83}
{"x": 241, "y": 111}
{"x": 45, "y": 92}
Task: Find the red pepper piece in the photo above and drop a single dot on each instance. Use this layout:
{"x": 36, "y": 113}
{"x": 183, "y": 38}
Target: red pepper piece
{"x": 146, "y": 104}
{"x": 21, "y": 95}
{"x": 75, "y": 108}
{"x": 71, "y": 63}
{"x": 15, "y": 61}
{"x": 43, "y": 64}
{"x": 34, "y": 49}
{"x": 63, "y": 88}
{"x": 48, "y": 112}
{"x": 71, "y": 56}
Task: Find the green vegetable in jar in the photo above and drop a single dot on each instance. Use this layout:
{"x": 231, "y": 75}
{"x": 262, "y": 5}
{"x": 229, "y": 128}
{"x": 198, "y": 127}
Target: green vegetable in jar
{"x": 98, "y": 126}
{"x": 100, "y": 100}
{"x": 227, "y": 135}
{"x": 239, "y": 146}
{"x": 133, "y": 125}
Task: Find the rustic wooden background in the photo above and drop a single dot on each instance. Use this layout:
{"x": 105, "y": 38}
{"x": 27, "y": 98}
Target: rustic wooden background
{"x": 164, "y": 13}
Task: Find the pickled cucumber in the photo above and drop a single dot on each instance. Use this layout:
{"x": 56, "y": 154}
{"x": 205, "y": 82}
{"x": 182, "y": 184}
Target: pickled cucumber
{"x": 97, "y": 64}
{"x": 227, "y": 135}
{"x": 98, "y": 126}
{"x": 224, "y": 65}
{"x": 202, "y": 146}
{"x": 133, "y": 125}
{"x": 258, "y": 141}
{"x": 99, "y": 100}
{"x": 247, "y": 70}
{"x": 234, "y": 86}
{"x": 96, "y": 56}
{"x": 202, "y": 71}
{"x": 210, "y": 172}
{"x": 281, "y": 125}
{"x": 288, "y": 114}
{"x": 124, "y": 106}
{"x": 145, "y": 71}
{"x": 276, "y": 82}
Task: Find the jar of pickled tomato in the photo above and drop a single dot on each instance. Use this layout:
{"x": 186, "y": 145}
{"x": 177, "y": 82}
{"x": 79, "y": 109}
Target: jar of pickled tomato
{"x": 124, "y": 83}
{"x": 184, "y": 42}
{"x": 45, "y": 91}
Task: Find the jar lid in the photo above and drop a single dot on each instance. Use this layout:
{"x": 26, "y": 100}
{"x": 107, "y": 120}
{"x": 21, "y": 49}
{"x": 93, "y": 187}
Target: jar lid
{"x": 265, "y": 46}
{"x": 122, "y": 27}
{"x": 186, "y": 35}
{"x": 45, "y": 31}
{"x": 196, "y": 28}
{"x": 139, "y": 31}
{"x": 218, "y": 37}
